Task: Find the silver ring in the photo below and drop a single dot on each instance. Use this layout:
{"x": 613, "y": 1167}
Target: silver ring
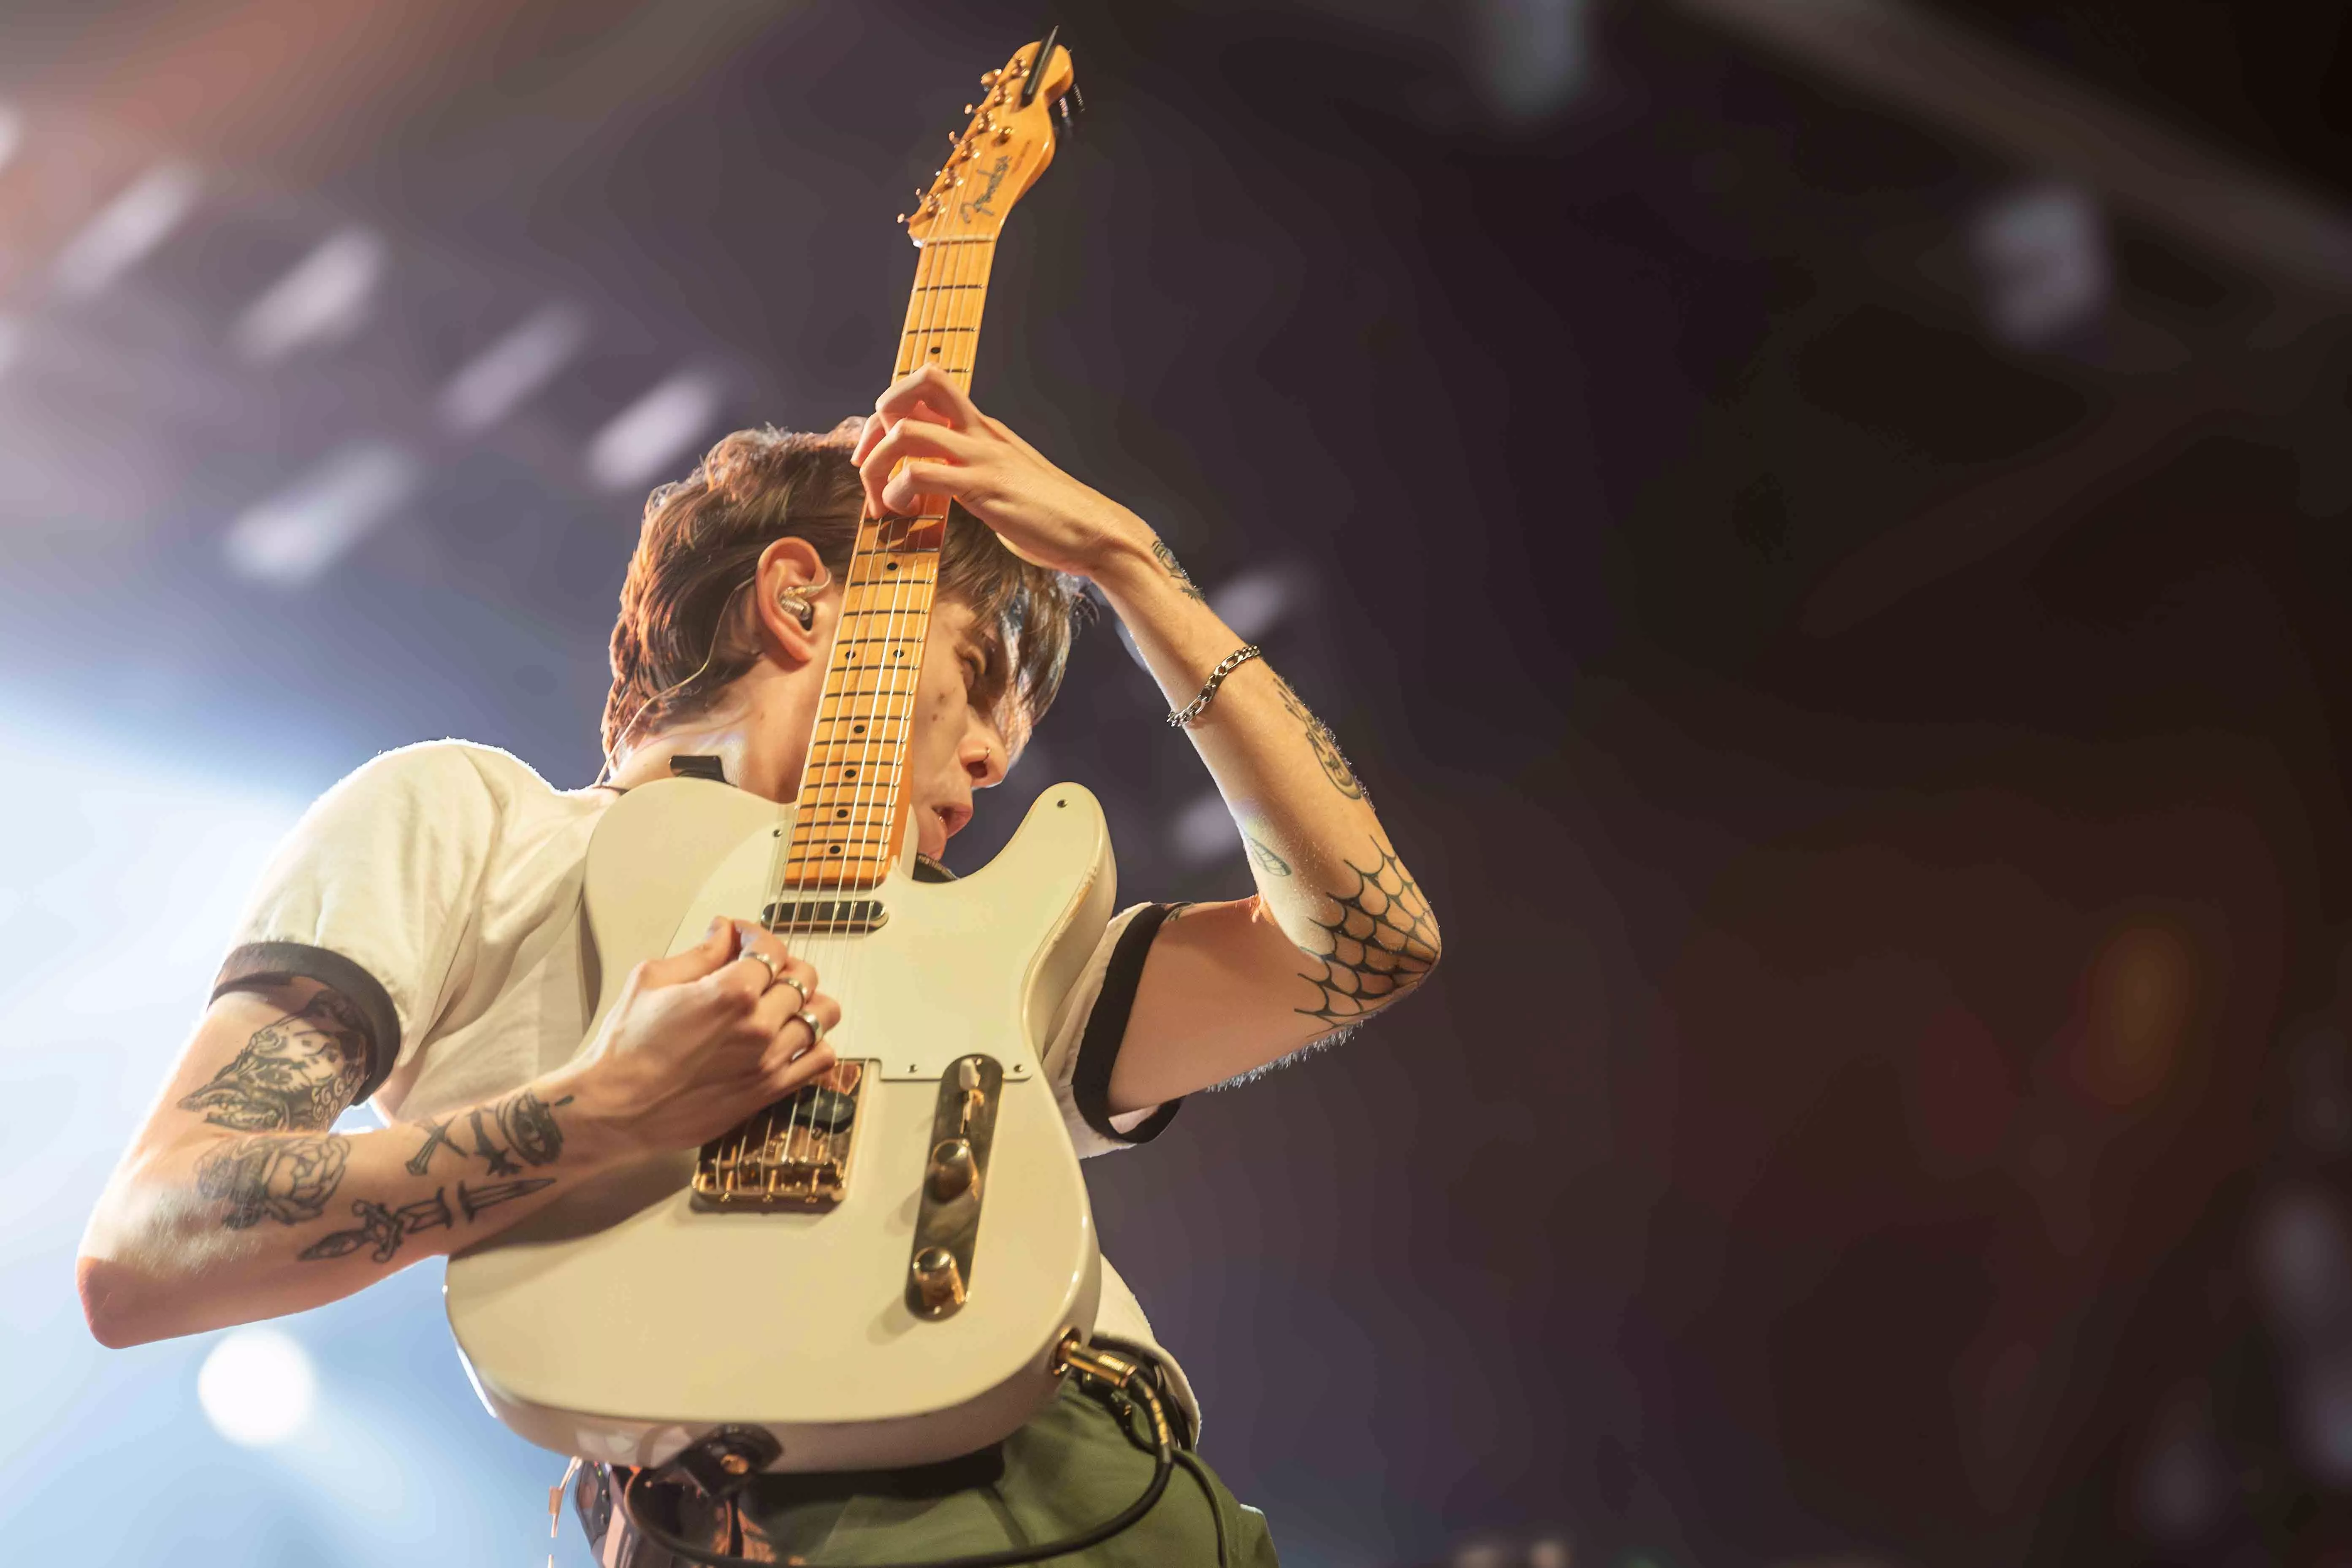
{"x": 815, "y": 1026}
{"x": 774, "y": 974}
{"x": 788, "y": 980}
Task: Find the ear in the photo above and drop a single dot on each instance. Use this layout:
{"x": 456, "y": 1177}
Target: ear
{"x": 790, "y": 564}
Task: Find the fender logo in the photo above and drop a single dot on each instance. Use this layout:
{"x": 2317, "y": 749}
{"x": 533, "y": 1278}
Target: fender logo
{"x": 995, "y": 178}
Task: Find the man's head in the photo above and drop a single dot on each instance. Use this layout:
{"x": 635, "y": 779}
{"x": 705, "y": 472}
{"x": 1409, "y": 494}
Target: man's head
{"x": 703, "y": 639}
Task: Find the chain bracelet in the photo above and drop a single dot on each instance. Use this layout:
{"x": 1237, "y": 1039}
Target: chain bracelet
{"x": 1179, "y": 718}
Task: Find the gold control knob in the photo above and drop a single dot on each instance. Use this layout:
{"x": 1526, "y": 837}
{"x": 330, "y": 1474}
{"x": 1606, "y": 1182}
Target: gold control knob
{"x": 939, "y": 1279}
{"x": 952, "y": 1172}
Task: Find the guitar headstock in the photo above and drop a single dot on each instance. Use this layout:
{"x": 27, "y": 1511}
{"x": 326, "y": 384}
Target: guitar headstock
{"x": 1005, "y": 147}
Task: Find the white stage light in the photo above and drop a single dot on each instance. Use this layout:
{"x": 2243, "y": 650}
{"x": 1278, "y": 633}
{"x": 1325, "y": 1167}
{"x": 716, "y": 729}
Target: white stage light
{"x": 322, "y": 299}
{"x": 297, "y": 534}
{"x": 1203, "y": 831}
{"x": 654, "y": 432}
{"x": 1254, "y": 602}
{"x": 1535, "y": 54}
{"x": 257, "y": 1387}
{"x": 127, "y": 229}
{"x": 2042, "y": 254}
{"x": 501, "y": 376}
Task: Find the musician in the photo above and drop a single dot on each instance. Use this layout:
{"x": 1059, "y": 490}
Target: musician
{"x": 417, "y": 941}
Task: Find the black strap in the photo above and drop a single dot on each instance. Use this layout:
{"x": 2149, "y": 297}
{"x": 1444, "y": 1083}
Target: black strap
{"x": 1107, "y": 1031}
{"x": 699, "y": 767}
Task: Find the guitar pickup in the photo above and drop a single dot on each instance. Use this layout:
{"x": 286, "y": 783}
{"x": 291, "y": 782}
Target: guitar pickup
{"x": 827, "y": 916}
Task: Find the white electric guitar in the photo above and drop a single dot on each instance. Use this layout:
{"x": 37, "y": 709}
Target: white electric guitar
{"x": 880, "y": 1270}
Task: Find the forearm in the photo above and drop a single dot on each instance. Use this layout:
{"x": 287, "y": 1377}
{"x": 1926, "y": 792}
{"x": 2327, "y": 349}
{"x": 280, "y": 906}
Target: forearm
{"x": 1322, "y": 861}
{"x": 223, "y": 1227}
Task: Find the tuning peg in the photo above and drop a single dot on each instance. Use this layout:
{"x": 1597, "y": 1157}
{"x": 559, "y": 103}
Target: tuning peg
{"x": 988, "y": 78}
{"x": 967, "y": 109}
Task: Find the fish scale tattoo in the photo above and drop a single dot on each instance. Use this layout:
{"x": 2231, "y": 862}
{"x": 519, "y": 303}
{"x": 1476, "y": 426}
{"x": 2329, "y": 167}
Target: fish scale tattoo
{"x": 1380, "y": 944}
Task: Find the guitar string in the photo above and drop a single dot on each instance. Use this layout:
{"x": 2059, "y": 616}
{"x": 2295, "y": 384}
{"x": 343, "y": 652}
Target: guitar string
{"x": 906, "y": 606}
{"x": 912, "y": 602}
{"x": 866, "y": 837}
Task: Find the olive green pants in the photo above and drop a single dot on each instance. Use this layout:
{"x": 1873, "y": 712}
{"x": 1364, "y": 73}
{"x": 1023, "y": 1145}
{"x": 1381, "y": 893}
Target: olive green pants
{"x": 1067, "y": 1470}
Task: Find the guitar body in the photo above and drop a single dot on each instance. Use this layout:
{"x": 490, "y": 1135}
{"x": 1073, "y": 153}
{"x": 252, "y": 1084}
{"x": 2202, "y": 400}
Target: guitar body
{"x": 626, "y": 1320}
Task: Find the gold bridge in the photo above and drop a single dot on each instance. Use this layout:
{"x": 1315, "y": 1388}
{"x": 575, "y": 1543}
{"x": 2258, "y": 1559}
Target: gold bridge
{"x": 795, "y": 1154}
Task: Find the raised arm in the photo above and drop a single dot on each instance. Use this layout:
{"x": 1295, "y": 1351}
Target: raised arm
{"x": 1338, "y": 930}
{"x": 238, "y": 1200}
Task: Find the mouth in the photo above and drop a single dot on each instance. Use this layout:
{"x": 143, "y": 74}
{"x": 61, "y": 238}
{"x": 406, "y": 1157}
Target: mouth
{"x": 953, "y": 818}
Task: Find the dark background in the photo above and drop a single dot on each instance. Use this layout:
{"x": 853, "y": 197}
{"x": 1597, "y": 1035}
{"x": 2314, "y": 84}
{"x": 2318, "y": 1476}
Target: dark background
{"x": 1867, "y": 701}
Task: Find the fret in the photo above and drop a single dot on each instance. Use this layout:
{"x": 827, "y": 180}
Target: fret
{"x": 895, "y": 693}
{"x": 850, "y": 796}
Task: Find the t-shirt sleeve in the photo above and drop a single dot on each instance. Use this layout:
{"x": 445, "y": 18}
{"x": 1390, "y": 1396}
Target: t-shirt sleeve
{"x": 1083, "y": 1045}
{"x": 370, "y": 894}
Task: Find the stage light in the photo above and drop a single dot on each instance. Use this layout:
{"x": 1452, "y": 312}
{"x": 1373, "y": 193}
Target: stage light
{"x": 498, "y": 380}
{"x": 1536, "y": 56}
{"x": 322, "y": 299}
{"x": 2323, "y": 1388}
{"x": 257, "y": 1387}
{"x": 2042, "y": 254}
{"x": 2302, "y": 1266}
{"x": 654, "y": 432}
{"x": 1255, "y": 601}
{"x": 12, "y": 133}
{"x": 126, "y": 230}
{"x": 1203, "y": 831}
{"x": 297, "y": 534}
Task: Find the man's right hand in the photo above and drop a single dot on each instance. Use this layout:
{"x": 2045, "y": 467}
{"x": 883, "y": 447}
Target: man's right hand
{"x": 697, "y": 1042}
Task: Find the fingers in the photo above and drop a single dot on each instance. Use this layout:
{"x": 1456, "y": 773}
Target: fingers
{"x": 911, "y": 440}
{"x": 705, "y": 958}
{"x": 927, "y": 392}
{"x": 875, "y": 428}
{"x": 783, "y": 1000}
{"x": 793, "y": 1037}
{"x": 800, "y": 1069}
{"x": 761, "y": 962}
{"x": 794, "y": 1057}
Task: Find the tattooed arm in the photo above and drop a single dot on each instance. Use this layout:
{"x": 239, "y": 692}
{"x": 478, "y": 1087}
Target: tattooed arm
{"x": 238, "y": 1200}
{"x": 1338, "y": 930}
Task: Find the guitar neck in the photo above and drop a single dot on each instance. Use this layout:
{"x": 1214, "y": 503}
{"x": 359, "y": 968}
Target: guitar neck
{"x": 846, "y": 832}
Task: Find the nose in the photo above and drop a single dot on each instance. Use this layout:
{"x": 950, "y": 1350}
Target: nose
{"x": 984, "y": 758}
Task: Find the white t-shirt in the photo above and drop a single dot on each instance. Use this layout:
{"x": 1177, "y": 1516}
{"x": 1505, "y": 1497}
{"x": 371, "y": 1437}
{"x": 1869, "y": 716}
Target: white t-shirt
{"x": 438, "y": 889}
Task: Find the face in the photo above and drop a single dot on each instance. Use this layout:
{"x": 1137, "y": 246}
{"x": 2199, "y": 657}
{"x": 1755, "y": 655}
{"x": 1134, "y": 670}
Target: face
{"x": 956, "y": 746}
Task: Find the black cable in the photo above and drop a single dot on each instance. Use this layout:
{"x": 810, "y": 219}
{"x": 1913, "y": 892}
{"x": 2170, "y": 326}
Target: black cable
{"x": 1200, "y": 1473}
{"x": 1164, "y": 1466}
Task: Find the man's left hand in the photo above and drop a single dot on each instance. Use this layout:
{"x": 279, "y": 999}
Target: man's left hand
{"x": 951, "y": 448}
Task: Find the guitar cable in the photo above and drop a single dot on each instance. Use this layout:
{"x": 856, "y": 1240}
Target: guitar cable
{"x": 1115, "y": 1382}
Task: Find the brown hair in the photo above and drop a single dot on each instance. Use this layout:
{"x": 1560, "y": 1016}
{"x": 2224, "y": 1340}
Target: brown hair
{"x": 701, "y": 543}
